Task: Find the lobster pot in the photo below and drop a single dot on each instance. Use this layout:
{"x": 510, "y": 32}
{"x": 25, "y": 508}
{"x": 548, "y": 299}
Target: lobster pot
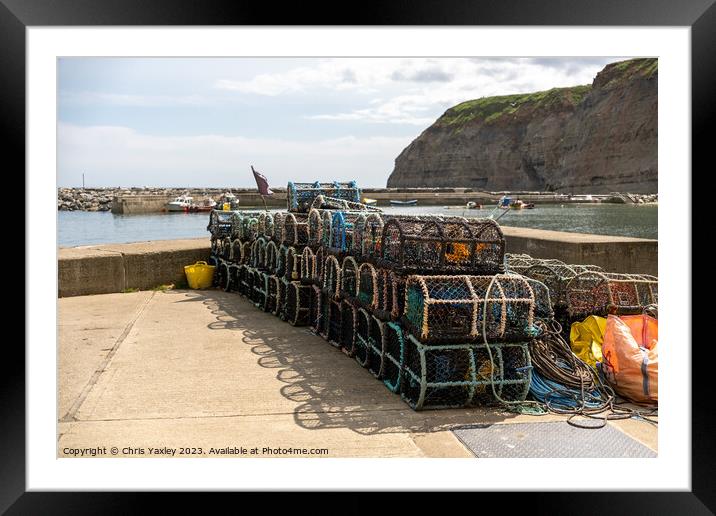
{"x": 384, "y": 303}
{"x": 318, "y": 309}
{"x": 278, "y": 220}
{"x": 280, "y": 309}
{"x": 349, "y": 313}
{"x": 335, "y": 318}
{"x": 361, "y": 344}
{"x": 237, "y": 251}
{"x": 225, "y": 250}
{"x": 258, "y": 254}
{"x": 292, "y": 268}
{"x": 242, "y": 277}
{"x": 272, "y": 293}
{"x": 323, "y": 202}
{"x": 315, "y": 227}
{"x": 519, "y": 263}
{"x": 233, "y": 277}
{"x": 376, "y": 346}
{"x": 223, "y": 278}
{"x": 298, "y": 303}
{"x": 601, "y": 293}
{"x": 393, "y": 356}
{"x": 397, "y": 283}
{"x": 441, "y": 309}
{"x": 442, "y": 245}
{"x": 220, "y": 224}
{"x": 271, "y": 257}
{"x": 342, "y": 230}
{"x": 370, "y": 236}
{"x": 308, "y": 265}
{"x": 295, "y": 229}
{"x": 556, "y": 277}
{"x": 331, "y": 277}
{"x": 464, "y": 375}
{"x": 319, "y": 265}
{"x": 368, "y": 286}
{"x": 326, "y": 228}
{"x": 249, "y": 227}
{"x": 260, "y": 292}
{"x": 349, "y": 279}
{"x": 265, "y": 225}
{"x": 358, "y": 233}
{"x": 282, "y": 260}
{"x": 300, "y": 196}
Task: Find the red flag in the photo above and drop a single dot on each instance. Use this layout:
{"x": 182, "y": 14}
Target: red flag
{"x": 261, "y": 182}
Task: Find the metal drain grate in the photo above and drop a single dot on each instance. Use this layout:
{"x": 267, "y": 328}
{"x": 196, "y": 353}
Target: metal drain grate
{"x": 549, "y": 440}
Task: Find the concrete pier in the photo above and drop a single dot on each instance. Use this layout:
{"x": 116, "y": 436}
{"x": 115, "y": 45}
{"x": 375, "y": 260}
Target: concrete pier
{"x": 206, "y": 369}
{"x": 110, "y": 268}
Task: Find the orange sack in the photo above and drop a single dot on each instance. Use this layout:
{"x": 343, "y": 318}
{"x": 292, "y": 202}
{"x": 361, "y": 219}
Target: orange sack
{"x": 631, "y": 357}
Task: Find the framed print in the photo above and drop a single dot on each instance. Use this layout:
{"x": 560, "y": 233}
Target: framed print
{"x": 428, "y": 234}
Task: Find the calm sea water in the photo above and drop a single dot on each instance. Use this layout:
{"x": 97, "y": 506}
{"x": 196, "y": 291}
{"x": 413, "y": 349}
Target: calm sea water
{"x": 85, "y": 228}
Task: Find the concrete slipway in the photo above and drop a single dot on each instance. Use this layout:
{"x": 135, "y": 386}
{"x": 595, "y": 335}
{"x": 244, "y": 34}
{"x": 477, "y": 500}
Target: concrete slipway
{"x": 206, "y": 369}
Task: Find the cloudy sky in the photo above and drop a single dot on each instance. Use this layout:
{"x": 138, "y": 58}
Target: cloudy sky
{"x": 203, "y": 122}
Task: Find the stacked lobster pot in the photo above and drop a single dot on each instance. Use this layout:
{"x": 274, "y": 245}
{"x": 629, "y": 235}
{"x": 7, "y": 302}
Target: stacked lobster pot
{"x": 423, "y": 302}
{"x": 580, "y": 290}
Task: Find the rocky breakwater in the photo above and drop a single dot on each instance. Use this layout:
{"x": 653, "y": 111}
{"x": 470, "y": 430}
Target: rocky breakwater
{"x": 596, "y": 139}
{"x": 85, "y": 199}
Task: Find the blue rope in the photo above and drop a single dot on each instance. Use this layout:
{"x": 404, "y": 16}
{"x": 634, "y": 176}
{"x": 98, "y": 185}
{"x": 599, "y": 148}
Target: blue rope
{"x": 558, "y": 396}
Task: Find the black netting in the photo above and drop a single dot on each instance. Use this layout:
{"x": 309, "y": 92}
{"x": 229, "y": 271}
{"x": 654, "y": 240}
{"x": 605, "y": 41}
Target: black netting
{"x": 315, "y": 227}
{"x": 271, "y": 257}
{"x": 258, "y": 254}
{"x": 308, "y": 265}
{"x": 292, "y": 270}
{"x": 335, "y": 318}
{"x": 348, "y": 326}
{"x": 463, "y": 375}
{"x": 349, "y": 278}
{"x": 265, "y": 225}
{"x": 443, "y": 309}
{"x": 298, "y": 303}
{"x": 271, "y": 299}
{"x": 362, "y": 336}
{"x": 282, "y": 260}
{"x": 397, "y": 282}
{"x": 393, "y": 356}
{"x": 368, "y": 286}
{"x": 220, "y": 224}
{"x": 376, "y": 346}
{"x": 278, "y": 228}
{"x": 314, "y": 319}
{"x": 442, "y": 245}
{"x": 331, "y": 277}
{"x": 319, "y": 263}
{"x": 258, "y": 295}
{"x": 295, "y": 229}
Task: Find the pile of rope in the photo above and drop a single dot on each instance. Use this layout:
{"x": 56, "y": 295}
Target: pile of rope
{"x": 564, "y": 384}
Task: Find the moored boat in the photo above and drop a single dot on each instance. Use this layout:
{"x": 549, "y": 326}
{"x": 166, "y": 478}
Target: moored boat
{"x": 181, "y": 203}
{"x": 411, "y": 202}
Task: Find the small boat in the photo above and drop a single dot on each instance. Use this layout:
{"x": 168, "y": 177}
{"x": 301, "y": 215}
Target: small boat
{"x": 517, "y": 205}
{"x": 369, "y": 202}
{"x": 411, "y": 202}
{"x": 207, "y": 204}
{"x": 228, "y": 201}
{"x": 472, "y": 205}
{"x": 181, "y": 203}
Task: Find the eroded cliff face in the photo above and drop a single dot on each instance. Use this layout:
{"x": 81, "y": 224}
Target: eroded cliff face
{"x": 596, "y": 138}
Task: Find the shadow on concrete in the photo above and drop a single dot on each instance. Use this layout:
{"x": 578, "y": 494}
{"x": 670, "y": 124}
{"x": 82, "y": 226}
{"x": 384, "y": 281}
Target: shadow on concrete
{"x": 331, "y": 389}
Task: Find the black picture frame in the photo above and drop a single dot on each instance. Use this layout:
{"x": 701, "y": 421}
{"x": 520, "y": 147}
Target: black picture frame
{"x": 17, "y": 15}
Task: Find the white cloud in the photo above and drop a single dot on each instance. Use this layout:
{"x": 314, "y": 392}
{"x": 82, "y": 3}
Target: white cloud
{"x": 120, "y": 156}
{"x": 121, "y": 99}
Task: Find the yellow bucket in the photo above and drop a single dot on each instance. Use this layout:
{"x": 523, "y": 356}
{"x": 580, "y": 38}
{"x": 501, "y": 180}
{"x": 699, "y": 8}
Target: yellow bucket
{"x": 199, "y": 275}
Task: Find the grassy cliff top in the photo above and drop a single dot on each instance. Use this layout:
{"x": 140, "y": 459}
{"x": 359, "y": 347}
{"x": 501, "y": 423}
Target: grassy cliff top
{"x": 491, "y": 109}
{"x": 617, "y": 73}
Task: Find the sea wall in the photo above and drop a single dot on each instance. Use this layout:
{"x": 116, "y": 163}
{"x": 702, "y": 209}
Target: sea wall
{"x": 103, "y": 269}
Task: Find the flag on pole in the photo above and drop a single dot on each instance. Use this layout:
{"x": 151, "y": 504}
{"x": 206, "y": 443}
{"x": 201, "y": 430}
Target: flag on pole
{"x": 261, "y": 182}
